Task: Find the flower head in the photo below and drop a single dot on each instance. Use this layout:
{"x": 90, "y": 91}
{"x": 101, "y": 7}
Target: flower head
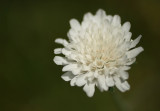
{"x": 99, "y": 53}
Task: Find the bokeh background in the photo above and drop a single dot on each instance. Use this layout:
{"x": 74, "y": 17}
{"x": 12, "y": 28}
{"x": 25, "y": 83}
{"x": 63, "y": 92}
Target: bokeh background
{"x": 30, "y": 81}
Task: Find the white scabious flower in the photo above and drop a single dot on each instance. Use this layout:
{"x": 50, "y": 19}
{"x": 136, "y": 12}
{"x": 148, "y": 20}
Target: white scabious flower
{"x": 98, "y": 53}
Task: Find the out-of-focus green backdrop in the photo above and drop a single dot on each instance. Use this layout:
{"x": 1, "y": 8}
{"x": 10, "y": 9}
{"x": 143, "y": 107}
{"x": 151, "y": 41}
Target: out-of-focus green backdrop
{"x": 30, "y": 81}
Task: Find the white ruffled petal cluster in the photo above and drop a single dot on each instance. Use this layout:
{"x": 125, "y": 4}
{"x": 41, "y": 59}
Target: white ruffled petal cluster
{"x": 99, "y": 53}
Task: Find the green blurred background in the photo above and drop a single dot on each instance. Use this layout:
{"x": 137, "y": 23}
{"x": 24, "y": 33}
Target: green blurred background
{"x": 30, "y": 81}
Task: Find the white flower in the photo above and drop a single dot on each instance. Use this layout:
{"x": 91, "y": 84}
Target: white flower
{"x": 99, "y": 53}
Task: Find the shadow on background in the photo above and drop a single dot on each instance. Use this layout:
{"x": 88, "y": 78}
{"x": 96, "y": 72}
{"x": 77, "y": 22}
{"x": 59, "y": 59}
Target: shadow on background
{"x": 30, "y": 81}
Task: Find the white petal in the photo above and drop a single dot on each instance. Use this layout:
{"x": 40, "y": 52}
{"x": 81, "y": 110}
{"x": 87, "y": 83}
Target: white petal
{"x": 73, "y": 56}
{"x": 102, "y": 83}
{"x": 116, "y": 79}
{"x": 118, "y": 83}
{"x": 119, "y": 86}
{"x": 115, "y": 33}
{"x": 66, "y": 52}
{"x": 134, "y": 52}
{"x": 76, "y": 71}
{"x": 72, "y": 34}
{"x": 125, "y": 68}
{"x": 101, "y": 13}
{"x": 69, "y": 67}
{"x": 126, "y": 26}
{"x": 136, "y": 41}
{"x": 67, "y": 76}
{"x": 58, "y": 51}
{"x": 85, "y": 25}
{"x": 106, "y": 70}
{"x": 89, "y": 89}
{"x": 124, "y": 75}
{"x": 125, "y": 85}
{"x": 60, "y": 60}
{"x": 61, "y": 41}
{"x": 73, "y": 81}
{"x": 85, "y": 68}
{"x": 86, "y": 20}
{"x": 109, "y": 18}
{"x": 81, "y": 80}
{"x": 131, "y": 61}
{"x": 116, "y": 20}
{"x": 96, "y": 74}
{"x": 75, "y": 24}
{"x": 109, "y": 81}
{"x": 90, "y": 76}
{"x": 128, "y": 36}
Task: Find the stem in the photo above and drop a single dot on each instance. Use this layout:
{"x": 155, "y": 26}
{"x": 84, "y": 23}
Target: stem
{"x": 118, "y": 101}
